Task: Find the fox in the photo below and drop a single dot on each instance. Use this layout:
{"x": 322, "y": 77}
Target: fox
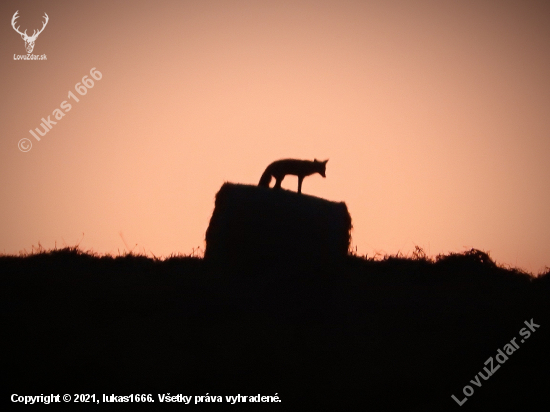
{"x": 301, "y": 168}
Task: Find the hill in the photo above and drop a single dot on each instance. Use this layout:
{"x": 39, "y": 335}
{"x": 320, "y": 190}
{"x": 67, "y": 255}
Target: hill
{"x": 394, "y": 334}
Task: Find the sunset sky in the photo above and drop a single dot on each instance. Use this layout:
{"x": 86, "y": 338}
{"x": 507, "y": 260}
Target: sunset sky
{"x": 435, "y": 116}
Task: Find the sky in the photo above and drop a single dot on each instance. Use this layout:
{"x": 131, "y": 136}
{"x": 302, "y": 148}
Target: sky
{"x": 434, "y": 115}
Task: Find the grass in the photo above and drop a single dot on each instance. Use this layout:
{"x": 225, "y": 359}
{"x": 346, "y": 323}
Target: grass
{"x": 391, "y": 332}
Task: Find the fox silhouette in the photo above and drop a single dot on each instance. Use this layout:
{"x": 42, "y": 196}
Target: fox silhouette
{"x": 301, "y": 168}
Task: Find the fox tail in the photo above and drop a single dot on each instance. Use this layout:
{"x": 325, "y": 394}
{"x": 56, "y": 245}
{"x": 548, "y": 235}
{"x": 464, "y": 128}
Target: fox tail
{"x": 265, "y": 179}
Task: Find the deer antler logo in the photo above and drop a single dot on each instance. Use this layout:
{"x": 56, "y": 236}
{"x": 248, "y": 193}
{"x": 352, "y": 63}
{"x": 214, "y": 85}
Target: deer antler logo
{"x": 29, "y": 40}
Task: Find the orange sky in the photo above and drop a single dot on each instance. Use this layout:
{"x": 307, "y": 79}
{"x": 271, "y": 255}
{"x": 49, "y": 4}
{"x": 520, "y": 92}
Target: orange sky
{"x": 435, "y": 116}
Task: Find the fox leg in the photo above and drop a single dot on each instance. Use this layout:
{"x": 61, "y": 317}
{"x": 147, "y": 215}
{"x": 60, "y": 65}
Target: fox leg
{"x": 278, "y": 182}
{"x": 300, "y": 180}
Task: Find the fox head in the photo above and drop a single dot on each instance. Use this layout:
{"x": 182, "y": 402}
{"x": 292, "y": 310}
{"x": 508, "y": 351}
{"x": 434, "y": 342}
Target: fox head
{"x": 321, "y": 166}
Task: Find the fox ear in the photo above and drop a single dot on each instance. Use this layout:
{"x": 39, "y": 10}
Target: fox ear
{"x": 325, "y": 162}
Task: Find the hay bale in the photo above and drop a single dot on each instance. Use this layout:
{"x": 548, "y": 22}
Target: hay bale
{"x": 254, "y": 225}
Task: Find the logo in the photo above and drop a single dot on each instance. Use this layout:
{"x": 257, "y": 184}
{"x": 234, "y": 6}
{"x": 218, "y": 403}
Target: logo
{"x": 29, "y": 40}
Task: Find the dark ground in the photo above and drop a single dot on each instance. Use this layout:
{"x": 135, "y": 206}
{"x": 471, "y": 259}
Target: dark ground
{"x": 397, "y": 334}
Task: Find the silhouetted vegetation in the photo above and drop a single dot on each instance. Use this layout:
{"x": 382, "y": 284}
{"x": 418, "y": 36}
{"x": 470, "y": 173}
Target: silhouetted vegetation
{"x": 390, "y": 334}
